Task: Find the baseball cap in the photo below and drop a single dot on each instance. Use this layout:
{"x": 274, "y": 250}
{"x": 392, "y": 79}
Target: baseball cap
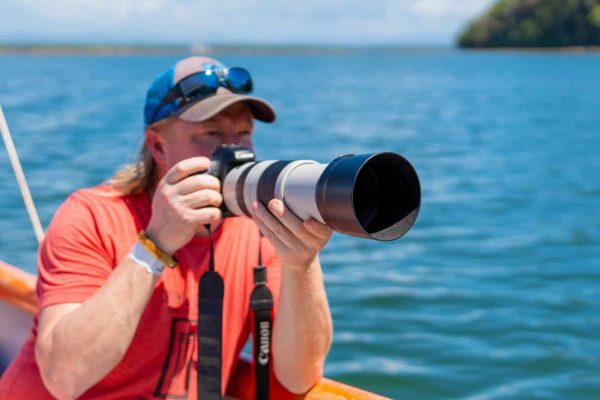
{"x": 205, "y": 107}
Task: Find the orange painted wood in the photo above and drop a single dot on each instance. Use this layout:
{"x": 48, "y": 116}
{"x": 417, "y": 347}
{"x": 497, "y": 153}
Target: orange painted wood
{"x": 17, "y": 288}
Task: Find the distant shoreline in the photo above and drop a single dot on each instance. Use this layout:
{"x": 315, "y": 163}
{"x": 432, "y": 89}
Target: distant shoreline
{"x": 564, "y": 49}
{"x": 103, "y": 50}
{"x": 90, "y": 49}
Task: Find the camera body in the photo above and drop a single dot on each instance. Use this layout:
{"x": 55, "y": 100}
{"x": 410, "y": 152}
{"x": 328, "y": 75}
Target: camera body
{"x": 225, "y": 158}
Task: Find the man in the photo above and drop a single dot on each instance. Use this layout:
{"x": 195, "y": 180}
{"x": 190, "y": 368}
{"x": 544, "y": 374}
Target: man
{"x": 114, "y": 323}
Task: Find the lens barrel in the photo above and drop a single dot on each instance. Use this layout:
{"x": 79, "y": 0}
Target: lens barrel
{"x": 373, "y": 196}
{"x": 370, "y": 195}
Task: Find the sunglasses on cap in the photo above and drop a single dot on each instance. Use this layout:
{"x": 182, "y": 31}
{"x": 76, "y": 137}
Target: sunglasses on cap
{"x": 201, "y": 85}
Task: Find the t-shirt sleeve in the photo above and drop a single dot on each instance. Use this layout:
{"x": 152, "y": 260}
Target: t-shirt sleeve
{"x": 73, "y": 263}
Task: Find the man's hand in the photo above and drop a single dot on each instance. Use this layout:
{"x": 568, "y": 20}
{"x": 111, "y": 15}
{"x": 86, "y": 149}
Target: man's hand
{"x": 296, "y": 242}
{"x": 184, "y": 201}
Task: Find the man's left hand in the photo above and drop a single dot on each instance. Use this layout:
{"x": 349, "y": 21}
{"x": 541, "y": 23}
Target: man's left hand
{"x": 297, "y": 242}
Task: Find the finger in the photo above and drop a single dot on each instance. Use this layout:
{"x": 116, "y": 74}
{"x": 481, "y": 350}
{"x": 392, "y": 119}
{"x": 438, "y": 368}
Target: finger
{"x": 318, "y": 229}
{"x": 276, "y": 227}
{"x": 202, "y": 198}
{"x": 292, "y": 223}
{"x": 185, "y": 168}
{"x": 198, "y": 182}
{"x": 205, "y": 215}
{"x": 289, "y": 219}
{"x": 269, "y": 234}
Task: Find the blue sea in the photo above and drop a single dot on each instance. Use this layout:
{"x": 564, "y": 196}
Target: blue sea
{"x": 495, "y": 292}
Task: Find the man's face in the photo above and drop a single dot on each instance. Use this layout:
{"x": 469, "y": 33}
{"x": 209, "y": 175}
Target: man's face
{"x": 182, "y": 139}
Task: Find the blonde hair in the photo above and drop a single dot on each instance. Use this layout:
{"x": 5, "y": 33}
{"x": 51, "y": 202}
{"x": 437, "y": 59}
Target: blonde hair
{"x": 137, "y": 178}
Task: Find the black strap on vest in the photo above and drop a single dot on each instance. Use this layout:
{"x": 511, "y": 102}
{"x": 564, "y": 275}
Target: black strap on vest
{"x": 210, "y": 321}
{"x": 261, "y": 303}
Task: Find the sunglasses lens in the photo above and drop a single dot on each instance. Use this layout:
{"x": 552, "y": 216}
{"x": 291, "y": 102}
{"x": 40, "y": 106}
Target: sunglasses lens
{"x": 239, "y": 80}
{"x": 200, "y": 84}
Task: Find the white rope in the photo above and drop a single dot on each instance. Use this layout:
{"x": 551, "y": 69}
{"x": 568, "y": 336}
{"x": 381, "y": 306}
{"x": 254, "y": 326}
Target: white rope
{"x": 14, "y": 160}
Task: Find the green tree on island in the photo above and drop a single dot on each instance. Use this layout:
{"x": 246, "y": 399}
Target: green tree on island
{"x": 536, "y": 23}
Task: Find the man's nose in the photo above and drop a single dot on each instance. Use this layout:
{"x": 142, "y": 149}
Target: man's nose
{"x": 230, "y": 139}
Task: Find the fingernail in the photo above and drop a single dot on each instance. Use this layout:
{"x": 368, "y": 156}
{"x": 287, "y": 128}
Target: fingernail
{"x": 277, "y": 207}
{"x": 255, "y": 205}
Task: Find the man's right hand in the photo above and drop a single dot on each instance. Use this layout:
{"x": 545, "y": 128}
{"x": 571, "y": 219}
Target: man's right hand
{"x": 183, "y": 202}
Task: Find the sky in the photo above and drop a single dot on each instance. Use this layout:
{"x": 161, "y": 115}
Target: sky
{"x": 200, "y": 22}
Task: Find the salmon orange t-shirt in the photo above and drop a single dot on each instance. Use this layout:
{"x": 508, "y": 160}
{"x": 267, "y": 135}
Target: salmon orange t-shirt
{"x": 88, "y": 237}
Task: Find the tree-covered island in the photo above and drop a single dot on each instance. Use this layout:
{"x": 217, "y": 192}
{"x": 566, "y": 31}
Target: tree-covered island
{"x": 535, "y": 23}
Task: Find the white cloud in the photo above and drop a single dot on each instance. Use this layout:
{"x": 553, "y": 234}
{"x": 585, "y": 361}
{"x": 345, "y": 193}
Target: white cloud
{"x": 428, "y": 8}
{"x": 188, "y": 21}
{"x": 464, "y": 9}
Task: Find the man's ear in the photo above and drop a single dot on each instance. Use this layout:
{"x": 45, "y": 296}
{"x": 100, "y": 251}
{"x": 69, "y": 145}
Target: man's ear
{"x": 155, "y": 142}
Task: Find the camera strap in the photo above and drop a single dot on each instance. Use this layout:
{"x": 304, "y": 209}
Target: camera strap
{"x": 211, "y": 289}
{"x": 261, "y": 304}
{"x": 210, "y": 320}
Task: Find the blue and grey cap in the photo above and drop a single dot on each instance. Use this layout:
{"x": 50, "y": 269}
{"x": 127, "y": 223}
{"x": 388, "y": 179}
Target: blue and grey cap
{"x": 204, "y": 108}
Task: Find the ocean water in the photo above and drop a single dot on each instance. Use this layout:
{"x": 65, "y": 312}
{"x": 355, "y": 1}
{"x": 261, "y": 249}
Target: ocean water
{"x": 495, "y": 292}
